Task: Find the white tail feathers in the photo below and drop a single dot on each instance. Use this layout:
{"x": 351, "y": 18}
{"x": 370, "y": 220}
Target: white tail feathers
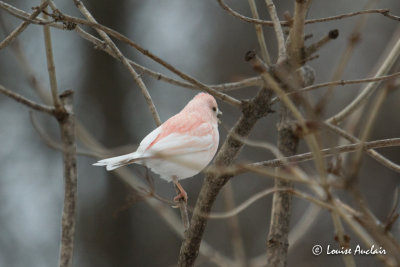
{"x": 116, "y": 162}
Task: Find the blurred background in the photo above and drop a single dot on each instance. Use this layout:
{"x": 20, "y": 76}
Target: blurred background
{"x": 201, "y": 39}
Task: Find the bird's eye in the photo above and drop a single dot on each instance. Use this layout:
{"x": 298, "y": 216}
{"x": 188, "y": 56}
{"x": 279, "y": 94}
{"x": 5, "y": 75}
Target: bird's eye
{"x": 214, "y": 109}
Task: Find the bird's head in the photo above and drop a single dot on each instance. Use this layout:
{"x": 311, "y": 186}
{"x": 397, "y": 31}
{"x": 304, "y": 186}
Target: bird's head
{"x": 206, "y": 105}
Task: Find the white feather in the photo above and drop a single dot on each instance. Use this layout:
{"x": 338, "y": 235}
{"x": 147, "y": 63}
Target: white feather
{"x": 115, "y": 162}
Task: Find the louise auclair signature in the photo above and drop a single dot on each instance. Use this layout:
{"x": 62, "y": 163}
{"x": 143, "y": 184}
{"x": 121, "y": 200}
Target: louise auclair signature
{"x": 358, "y": 250}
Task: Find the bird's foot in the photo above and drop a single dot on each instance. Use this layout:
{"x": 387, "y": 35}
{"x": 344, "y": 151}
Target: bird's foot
{"x": 181, "y": 195}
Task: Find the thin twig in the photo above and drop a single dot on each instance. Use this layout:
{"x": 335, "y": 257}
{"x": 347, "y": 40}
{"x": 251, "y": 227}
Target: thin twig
{"x": 58, "y": 146}
{"x": 50, "y": 61}
{"x": 333, "y": 34}
{"x": 260, "y": 33}
{"x": 236, "y": 14}
{"x": 370, "y": 88}
{"x": 262, "y": 194}
{"x": 348, "y": 259}
{"x": 23, "y": 25}
{"x": 234, "y": 225}
{"x": 152, "y": 56}
{"x": 371, "y": 152}
{"x": 346, "y": 82}
{"x": 311, "y": 138}
{"x": 339, "y": 82}
{"x": 352, "y": 41}
{"x": 371, "y": 118}
{"x": 303, "y": 225}
{"x": 387, "y": 14}
{"x": 124, "y": 60}
{"x": 330, "y": 151}
{"x": 27, "y": 102}
{"x": 295, "y": 41}
{"x": 360, "y": 231}
{"x": 225, "y": 87}
{"x": 278, "y": 30}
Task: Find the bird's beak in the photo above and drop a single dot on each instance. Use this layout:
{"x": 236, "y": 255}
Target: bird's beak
{"x": 219, "y": 115}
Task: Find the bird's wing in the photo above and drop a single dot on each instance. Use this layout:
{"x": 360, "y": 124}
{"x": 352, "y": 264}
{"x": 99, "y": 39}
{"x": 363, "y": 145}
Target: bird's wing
{"x": 179, "y": 143}
{"x": 148, "y": 140}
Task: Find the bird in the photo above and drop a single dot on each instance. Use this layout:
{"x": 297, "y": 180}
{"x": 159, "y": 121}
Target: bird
{"x": 179, "y": 148}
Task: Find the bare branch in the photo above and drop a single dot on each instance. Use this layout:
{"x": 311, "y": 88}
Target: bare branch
{"x": 341, "y": 237}
{"x": 50, "y": 61}
{"x": 391, "y": 16}
{"x": 27, "y": 102}
{"x": 333, "y": 34}
{"x": 234, "y": 225}
{"x": 278, "y": 30}
{"x": 260, "y": 33}
{"x": 330, "y": 151}
{"x": 147, "y": 53}
{"x": 346, "y": 82}
{"x": 124, "y": 60}
{"x": 55, "y": 145}
{"x": 273, "y": 84}
{"x": 371, "y": 118}
{"x": 23, "y": 25}
{"x": 264, "y": 193}
{"x": 370, "y": 88}
{"x": 67, "y": 126}
{"x": 384, "y": 12}
{"x": 225, "y": 87}
{"x": 371, "y": 152}
{"x": 339, "y": 82}
{"x": 298, "y": 231}
{"x": 295, "y": 41}
{"x": 352, "y": 41}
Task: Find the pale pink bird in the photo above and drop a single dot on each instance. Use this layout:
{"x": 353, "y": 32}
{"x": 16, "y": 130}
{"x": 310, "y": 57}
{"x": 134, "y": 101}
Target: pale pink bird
{"x": 180, "y": 147}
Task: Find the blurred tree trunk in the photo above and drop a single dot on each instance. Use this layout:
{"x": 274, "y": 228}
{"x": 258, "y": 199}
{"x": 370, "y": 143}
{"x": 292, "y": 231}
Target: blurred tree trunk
{"x": 108, "y": 235}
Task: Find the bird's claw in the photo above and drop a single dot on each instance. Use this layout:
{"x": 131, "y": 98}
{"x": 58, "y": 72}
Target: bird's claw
{"x": 182, "y": 195}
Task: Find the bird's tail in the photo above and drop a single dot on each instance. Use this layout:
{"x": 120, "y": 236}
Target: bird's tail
{"x": 116, "y": 162}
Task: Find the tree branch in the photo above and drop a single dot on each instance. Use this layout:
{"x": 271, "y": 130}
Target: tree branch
{"x": 147, "y": 53}
{"x": 27, "y": 102}
{"x": 295, "y": 41}
{"x": 99, "y": 44}
{"x": 346, "y": 82}
{"x": 50, "y": 61}
{"x": 329, "y": 152}
{"x": 278, "y": 30}
{"x": 234, "y": 224}
{"x": 260, "y": 33}
{"x": 384, "y": 12}
{"x": 23, "y": 25}
{"x": 124, "y": 60}
{"x": 67, "y": 127}
{"x": 370, "y": 88}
